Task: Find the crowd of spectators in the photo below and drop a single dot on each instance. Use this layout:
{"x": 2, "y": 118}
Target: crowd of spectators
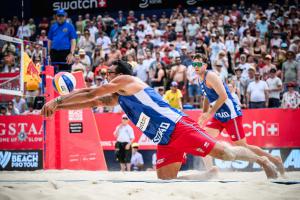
{"x": 255, "y": 50}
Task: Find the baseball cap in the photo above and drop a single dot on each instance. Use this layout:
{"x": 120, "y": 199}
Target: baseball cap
{"x": 174, "y": 84}
{"x": 268, "y": 57}
{"x": 61, "y": 12}
{"x": 252, "y": 68}
{"x": 284, "y": 45}
{"x": 124, "y": 116}
{"x": 81, "y": 52}
{"x": 135, "y": 145}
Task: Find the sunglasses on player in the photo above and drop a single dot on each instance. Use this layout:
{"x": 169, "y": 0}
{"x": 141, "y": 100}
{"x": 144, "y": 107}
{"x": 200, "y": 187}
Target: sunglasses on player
{"x": 197, "y": 64}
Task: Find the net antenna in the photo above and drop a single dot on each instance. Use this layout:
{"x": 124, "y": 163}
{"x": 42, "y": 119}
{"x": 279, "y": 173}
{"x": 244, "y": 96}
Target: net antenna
{"x": 13, "y": 85}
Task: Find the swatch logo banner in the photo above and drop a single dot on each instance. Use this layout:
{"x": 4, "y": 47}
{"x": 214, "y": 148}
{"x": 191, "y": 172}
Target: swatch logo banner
{"x": 4, "y": 158}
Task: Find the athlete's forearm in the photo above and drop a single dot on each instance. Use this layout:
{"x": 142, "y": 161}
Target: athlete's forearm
{"x": 217, "y": 105}
{"x": 205, "y": 105}
{"x": 100, "y": 101}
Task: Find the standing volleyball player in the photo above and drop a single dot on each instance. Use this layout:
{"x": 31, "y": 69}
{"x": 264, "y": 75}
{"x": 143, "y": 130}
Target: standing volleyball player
{"x": 225, "y": 113}
{"x": 174, "y": 132}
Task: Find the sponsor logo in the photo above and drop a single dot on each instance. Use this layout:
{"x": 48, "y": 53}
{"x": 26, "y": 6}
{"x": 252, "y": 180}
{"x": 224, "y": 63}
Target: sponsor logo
{"x": 222, "y": 114}
{"x": 143, "y": 122}
{"x": 161, "y": 130}
{"x": 4, "y": 158}
{"x": 146, "y": 3}
{"x": 262, "y": 128}
{"x": 75, "y": 115}
{"x": 159, "y": 161}
{"x": 191, "y": 2}
{"x": 79, "y": 4}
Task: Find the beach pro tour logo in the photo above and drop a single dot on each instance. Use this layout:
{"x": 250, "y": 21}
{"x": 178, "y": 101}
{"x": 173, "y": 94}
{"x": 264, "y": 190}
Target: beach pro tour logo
{"x": 79, "y": 4}
{"x": 4, "y": 158}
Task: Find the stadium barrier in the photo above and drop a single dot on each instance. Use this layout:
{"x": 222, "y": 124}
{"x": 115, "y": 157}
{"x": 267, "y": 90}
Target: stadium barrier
{"x": 22, "y": 136}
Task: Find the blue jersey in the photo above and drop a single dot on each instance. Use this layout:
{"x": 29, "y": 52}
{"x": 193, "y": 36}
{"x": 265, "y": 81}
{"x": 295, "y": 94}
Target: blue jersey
{"x": 229, "y": 110}
{"x": 151, "y": 114}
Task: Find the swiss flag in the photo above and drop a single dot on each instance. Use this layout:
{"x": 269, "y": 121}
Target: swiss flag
{"x": 272, "y": 129}
{"x": 102, "y": 3}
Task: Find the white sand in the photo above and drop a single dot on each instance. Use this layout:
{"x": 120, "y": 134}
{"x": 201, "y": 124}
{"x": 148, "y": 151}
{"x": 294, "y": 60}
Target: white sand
{"x": 255, "y": 186}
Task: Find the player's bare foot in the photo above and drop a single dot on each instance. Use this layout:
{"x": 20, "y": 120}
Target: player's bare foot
{"x": 268, "y": 168}
{"x": 212, "y": 172}
{"x": 280, "y": 166}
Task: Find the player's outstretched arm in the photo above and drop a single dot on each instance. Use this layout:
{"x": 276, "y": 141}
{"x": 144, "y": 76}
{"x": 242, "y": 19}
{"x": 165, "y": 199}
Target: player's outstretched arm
{"x": 85, "y": 95}
{"x": 109, "y": 100}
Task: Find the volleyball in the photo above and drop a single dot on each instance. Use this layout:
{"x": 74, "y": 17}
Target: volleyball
{"x": 64, "y": 82}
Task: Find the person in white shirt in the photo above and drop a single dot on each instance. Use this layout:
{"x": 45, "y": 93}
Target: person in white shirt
{"x": 275, "y": 87}
{"x": 124, "y": 137}
{"x": 193, "y": 28}
{"x": 257, "y": 93}
{"x": 24, "y": 31}
{"x": 104, "y": 41}
{"x": 141, "y": 70}
{"x": 244, "y": 66}
{"x": 137, "y": 161}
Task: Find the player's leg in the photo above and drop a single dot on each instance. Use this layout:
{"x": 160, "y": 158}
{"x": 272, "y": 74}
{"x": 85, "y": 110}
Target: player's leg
{"x": 169, "y": 161}
{"x": 235, "y": 129}
{"x": 225, "y": 151}
{"x": 213, "y": 128}
{"x": 257, "y": 150}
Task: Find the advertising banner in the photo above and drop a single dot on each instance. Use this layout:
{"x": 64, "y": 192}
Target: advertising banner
{"x": 21, "y": 160}
{"x": 21, "y": 132}
{"x": 267, "y": 128}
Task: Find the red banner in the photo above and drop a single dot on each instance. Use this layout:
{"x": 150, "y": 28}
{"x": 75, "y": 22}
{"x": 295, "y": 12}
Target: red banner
{"x": 263, "y": 127}
{"x": 21, "y": 132}
{"x": 273, "y": 128}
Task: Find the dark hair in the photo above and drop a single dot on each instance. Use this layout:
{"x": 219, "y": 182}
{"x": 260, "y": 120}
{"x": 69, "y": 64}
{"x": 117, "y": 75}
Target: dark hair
{"x": 122, "y": 67}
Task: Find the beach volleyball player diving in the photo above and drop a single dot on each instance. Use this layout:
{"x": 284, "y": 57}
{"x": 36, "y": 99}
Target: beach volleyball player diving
{"x": 173, "y": 131}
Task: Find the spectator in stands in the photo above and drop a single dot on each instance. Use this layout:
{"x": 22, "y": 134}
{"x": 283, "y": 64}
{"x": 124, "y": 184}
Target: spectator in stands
{"x": 275, "y": 87}
{"x": 62, "y": 42}
{"x": 257, "y": 93}
{"x": 24, "y": 31}
{"x": 31, "y": 110}
{"x": 137, "y": 161}
{"x": 87, "y": 43}
{"x": 85, "y": 59}
{"x": 3, "y": 110}
{"x": 11, "y": 109}
{"x": 19, "y": 103}
{"x": 290, "y": 69}
{"x": 159, "y": 77}
{"x": 291, "y": 98}
{"x": 174, "y": 96}
{"x": 193, "y": 86}
{"x": 9, "y": 65}
{"x": 78, "y": 66}
{"x": 124, "y": 137}
{"x": 178, "y": 73}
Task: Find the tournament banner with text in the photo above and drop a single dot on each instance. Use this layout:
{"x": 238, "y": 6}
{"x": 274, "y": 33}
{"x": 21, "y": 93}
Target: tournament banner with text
{"x": 21, "y": 132}
{"x": 267, "y": 128}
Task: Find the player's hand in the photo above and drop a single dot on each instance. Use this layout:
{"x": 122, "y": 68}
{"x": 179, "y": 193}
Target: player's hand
{"x": 203, "y": 118}
{"x": 49, "y": 108}
{"x": 69, "y": 58}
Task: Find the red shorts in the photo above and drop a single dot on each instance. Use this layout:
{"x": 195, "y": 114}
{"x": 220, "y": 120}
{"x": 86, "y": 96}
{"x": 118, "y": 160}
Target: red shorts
{"x": 234, "y": 127}
{"x": 187, "y": 137}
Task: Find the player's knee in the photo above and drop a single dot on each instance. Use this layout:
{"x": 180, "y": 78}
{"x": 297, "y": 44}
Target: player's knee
{"x": 165, "y": 176}
{"x": 228, "y": 153}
